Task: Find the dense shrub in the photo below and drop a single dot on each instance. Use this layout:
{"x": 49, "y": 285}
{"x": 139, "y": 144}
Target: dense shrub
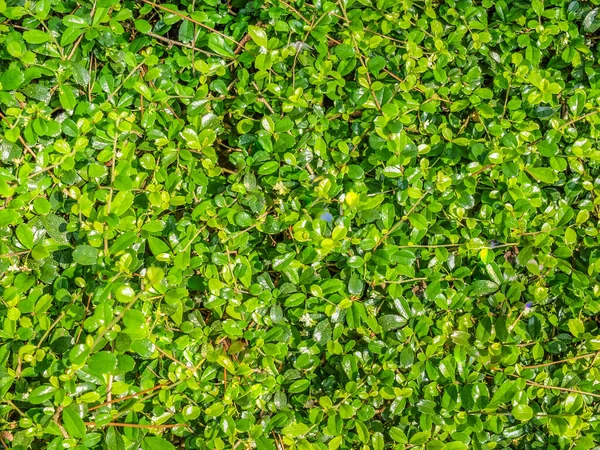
{"x": 284, "y": 224}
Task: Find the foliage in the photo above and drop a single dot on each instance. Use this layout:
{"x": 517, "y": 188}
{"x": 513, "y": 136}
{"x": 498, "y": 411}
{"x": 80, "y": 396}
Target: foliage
{"x": 340, "y": 224}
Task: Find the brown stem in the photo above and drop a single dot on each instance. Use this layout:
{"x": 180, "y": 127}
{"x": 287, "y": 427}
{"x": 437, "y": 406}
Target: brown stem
{"x": 87, "y": 309}
{"x": 12, "y": 255}
{"x": 574, "y": 358}
{"x": 575, "y": 391}
{"x": 58, "y": 424}
{"x": 585, "y": 116}
{"x": 75, "y": 47}
{"x": 295, "y": 10}
{"x": 180, "y": 44}
{"x": 241, "y": 45}
{"x": 171, "y": 357}
{"x": 137, "y": 425}
{"x": 21, "y": 140}
{"x": 127, "y": 397}
{"x": 183, "y": 16}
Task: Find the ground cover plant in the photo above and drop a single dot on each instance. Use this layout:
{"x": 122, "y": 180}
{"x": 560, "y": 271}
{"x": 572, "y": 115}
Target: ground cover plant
{"x": 354, "y": 224}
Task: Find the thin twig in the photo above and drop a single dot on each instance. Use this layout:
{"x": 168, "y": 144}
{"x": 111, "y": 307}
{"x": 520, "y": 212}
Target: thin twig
{"x": 563, "y": 126}
{"x": 516, "y": 321}
{"x": 115, "y": 321}
{"x": 360, "y": 58}
{"x": 21, "y": 140}
{"x": 585, "y": 116}
{"x": 15, "y": 407}
{"x": 113, "y": 93}
{"x": 506, "y": 100}
{"x": 484, "y": 168}
{"x": 295, "y": 10}
{"x": 12, "y": 255}
{"x": 45, "y": 169}
{"x": 58, "y": 319}
{"x": 137, "y": 425}
{"x": 575, "y": 391}
{"x": 574, "y": 358}
{"x": 109, "y": 388}
{"x": 263, "y": 100}
{"x": 408, "y": 280}
{"x": 161, "y": 351}
{"x": 75, "y": 47}
{"x": 127, "y": 397}
{"x": 58, "y": 424}
{"x": 395, "y": 227}
{"x": 180, "y": 44}
{"x": 87, "y": 309}
{"x": 416, "y": 88}
{"x": 242, "y": 44}
{"x": 183, "y": 16}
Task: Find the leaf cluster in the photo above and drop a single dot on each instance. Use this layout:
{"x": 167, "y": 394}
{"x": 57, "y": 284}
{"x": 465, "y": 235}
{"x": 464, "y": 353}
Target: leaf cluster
{"x": 299, "y": 224}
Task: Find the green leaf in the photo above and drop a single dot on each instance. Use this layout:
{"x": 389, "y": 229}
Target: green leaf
{"x": 36, "y": 37}
{"x": 157, "y": 443}
{"x": 376, "y": 64}
{"x": 591, "y": 22}
{"x": 295, "y": 429}
{"x": 502, "y": 395}
{"x": 378, "y": 441}
{"x": 41, "y": 394}
{"x": 522, "y": 412}
{"x": 355, "y": 285}
{"x": 363, "y": 432}
{"x": 42, "y": 205}
{"x": 576, "y": 327}
{"x": 85, "y": 255}
{"x": 186, "y": 31}
{"x": 80, "y": 74}
{"x": 543, "y": 174}
{"x": 73, "y": 423}
{"x": 282, "y": 261}
{"x": 56, "y": 227}
{"x": 335, "y": 443}
{"x": 455, "y": 446}
{"x": 391, "y": 322}
{"x": 77, "y": 21}
{"x": 70, "y": 35}
{"x": 299, "y": 386}
{"x": 134, "y": 319}
{"x": 67, "y": 98}
{"x": 418, "y": 221}
{"x": 40, "y": 252}
{"x": 393, "y": 171}
{"x": 268, "y": 168}
{"x": 419, "y": 438}
{"x": 258, "y": 35}
{"x": 8, "y": 217}
{"x": 114, "y": 440}
{"x": 482, "y": 288}
{"x": 322, "y": 333}
{"x": 570, "y": 236}
{"x": 11, "y": 79}
{"x": 79, "y": 354}
{"x": 102, "y": 362}
{"x": 219, "y": 45}
{"x": 25, "y": 236}
{"x": 143, "y": 26}
{"x": 123, "y": 242}
{"x": 215, "y": 410}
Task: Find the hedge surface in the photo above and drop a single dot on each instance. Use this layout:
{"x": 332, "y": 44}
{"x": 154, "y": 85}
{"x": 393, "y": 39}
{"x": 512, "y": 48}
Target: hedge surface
{"x": 362, "y": 224}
